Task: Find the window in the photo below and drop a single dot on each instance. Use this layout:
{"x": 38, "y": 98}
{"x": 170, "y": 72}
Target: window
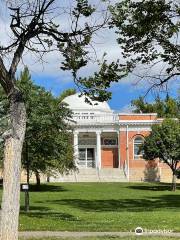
{"x": 138, "y": 141}
{"x": 92, "y": 115}
{"x": 109, "y": 141}
{"x": 82, "y": 154}
{"x": 85, "y": 115}
{"x": 86, "y": 158}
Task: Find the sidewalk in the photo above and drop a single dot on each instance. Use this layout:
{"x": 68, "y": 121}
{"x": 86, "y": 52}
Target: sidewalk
{"x": 45, "y": 234}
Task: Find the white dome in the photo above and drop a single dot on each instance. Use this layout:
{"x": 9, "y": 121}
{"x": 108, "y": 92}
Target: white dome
{"x": 77, "y": 103}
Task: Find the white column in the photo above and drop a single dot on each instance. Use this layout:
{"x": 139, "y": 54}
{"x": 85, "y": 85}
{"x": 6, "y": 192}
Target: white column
{"x": 76, "y": 147}
{"x": 98, "y": 145}
{"x": 127, "y": 151}
{"x": 119, "y": 152}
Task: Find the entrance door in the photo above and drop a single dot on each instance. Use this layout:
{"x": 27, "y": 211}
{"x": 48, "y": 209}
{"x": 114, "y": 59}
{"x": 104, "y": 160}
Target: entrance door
{"x": 86, "y": 157}
{"x": 110, "y": 158}
{"x": 90, "y": 157}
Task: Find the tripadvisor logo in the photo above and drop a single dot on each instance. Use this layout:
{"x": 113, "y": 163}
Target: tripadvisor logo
{"x": 139, "y": 231}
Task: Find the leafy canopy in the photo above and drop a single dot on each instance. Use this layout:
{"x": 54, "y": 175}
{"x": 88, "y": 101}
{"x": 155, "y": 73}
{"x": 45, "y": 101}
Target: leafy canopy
{"x": 48, "y": 141}
{"x": 164, "y": 143}
{"x": 148, "y": 33}
{"x": 66, "y": 93}
{"x": 168, "y": 108}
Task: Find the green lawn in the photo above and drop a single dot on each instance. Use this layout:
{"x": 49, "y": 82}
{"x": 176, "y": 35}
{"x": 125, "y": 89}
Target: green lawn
{"x": 102, "y": 207}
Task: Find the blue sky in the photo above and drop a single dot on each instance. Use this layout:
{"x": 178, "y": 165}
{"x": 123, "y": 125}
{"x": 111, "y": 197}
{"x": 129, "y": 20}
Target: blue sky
{"x": 122, "y": 93}
{"x": 48, "y": 73}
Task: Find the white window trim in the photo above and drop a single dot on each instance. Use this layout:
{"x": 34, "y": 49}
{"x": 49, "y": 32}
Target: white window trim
{"x": 140, "y": 156}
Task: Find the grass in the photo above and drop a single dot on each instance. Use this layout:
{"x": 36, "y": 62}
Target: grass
{"x": 102, "y": 207}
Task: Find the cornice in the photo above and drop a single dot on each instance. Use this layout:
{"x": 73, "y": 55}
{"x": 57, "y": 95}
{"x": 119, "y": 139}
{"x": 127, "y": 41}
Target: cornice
{"x": 139, "y": 122}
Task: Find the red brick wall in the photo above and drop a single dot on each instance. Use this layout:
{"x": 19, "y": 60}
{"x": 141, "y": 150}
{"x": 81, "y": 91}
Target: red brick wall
{"x": 138, "y": 117}
{"x": 122, "y": 147}
{"x": 140, "y": 169}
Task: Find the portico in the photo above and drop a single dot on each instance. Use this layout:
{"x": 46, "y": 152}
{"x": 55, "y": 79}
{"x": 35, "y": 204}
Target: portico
{"x": 92, "y": 146}
{"x": 95, "y": 133}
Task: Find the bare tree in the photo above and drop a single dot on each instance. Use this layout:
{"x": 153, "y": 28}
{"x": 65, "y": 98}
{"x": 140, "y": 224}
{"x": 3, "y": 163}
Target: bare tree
{"x": 34, "y": 28}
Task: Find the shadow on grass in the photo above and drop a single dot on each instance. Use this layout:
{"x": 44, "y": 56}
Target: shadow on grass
{"x": 171, "y": 202}
{"x": 50, "y": 215}
{"x": 47, "y": 188}
{"x": 154, "y": 187}
{"x": 35, "y": 208}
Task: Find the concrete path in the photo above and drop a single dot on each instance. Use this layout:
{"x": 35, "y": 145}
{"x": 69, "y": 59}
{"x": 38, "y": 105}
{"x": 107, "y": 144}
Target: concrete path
{"x": 45, "y": 234}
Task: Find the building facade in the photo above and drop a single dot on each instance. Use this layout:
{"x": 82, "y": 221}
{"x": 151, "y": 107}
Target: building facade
{"x": 106, "y": 144}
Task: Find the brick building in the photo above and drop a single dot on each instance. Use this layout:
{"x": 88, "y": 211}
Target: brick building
{"x": 106, "y": 144}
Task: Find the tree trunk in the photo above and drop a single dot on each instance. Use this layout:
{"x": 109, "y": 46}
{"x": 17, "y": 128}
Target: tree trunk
{"x": 27, "y": 162}
{"x": 38, "y": 180}
{"x": 12, "y": 168}
{"x": 173, "y": 188}
{"x": 28, "y": 176}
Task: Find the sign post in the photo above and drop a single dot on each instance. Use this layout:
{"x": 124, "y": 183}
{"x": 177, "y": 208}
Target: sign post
{"x": 25, "y": 189}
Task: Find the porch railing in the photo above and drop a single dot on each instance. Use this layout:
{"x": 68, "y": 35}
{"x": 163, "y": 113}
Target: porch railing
{"x": 86, "y": 164}
{"x": 95, "y": 119}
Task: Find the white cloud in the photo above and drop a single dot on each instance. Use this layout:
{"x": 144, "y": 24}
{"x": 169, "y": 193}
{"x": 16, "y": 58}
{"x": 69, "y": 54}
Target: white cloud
{"x": 103, "y": 42}
{"x": 127, "y": 109}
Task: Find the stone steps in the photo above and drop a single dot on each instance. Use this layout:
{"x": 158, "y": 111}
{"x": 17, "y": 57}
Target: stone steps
{"x": 92, "y": 175}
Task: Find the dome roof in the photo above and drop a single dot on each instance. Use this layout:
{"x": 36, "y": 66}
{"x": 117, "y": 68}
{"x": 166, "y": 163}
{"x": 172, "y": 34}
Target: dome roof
{"x": 78, "y": 103}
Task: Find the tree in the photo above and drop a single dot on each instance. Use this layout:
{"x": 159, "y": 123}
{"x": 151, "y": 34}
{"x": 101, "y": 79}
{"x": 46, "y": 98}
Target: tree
{"x": 148, "y": 33}
{"x": 164, "y": 143}
{"x": 168, "y": 108}
{"x": 44, "y": 150}
{"x": 33, "y": 28}
{"x": 67, "y": 93}
{"x": 47, "y": 145}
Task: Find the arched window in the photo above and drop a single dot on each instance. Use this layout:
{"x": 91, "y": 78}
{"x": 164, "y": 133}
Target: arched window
{"x": 138, "y": 141}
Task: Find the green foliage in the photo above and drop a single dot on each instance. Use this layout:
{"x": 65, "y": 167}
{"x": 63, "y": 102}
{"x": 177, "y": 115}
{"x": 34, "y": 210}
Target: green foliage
{"x": 168, "y": 108}
{"x": 48, "y": 141}
{"x": 148, "y": 33}
{"x": 96, "y": 86}
{"x": 66, "y": 93}
{"x": 83, "y": 8}
{"x": 164, "y": 143}
{"x": 74, "y": 48}
{"x": 76, "y": 55}
{"x": 47, "y": 145}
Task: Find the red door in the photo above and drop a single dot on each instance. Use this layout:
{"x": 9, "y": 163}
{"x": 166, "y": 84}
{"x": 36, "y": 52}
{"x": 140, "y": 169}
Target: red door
{"x": 109, "y": 158}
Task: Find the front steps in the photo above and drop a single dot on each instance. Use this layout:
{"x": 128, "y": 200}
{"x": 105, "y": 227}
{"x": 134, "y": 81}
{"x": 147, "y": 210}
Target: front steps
{"x": 92, "y": 175}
